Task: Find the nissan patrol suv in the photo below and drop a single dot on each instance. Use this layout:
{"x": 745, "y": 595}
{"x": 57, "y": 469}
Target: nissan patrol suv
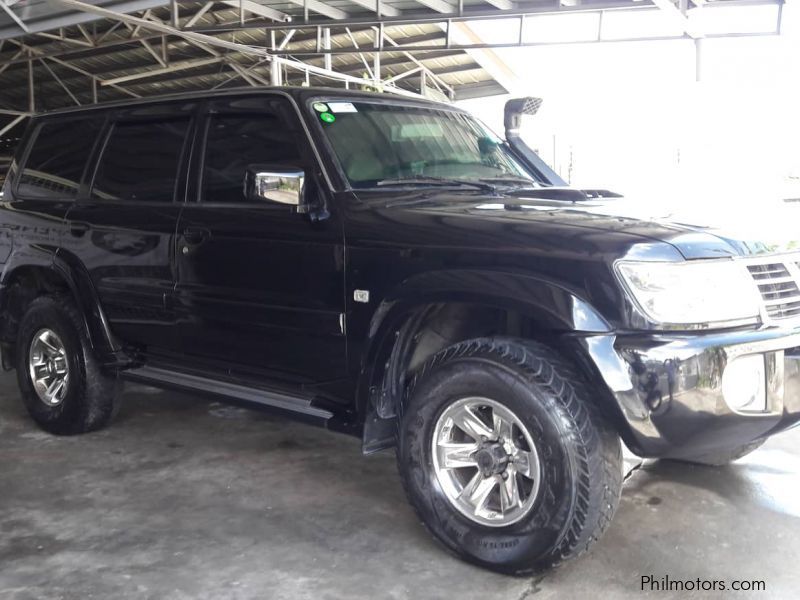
{"x": 391, "y": 269}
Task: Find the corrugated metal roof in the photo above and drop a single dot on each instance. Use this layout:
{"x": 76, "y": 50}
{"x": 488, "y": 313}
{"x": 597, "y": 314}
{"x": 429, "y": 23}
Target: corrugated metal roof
{"x": 78, "y": 56}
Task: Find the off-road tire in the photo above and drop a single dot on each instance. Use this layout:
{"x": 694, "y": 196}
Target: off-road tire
{"x": 92, "y": 396}
{"x": 581, "y": 455}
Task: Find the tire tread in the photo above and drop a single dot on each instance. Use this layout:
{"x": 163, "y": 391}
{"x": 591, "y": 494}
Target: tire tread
{"x": 599, "y": 473}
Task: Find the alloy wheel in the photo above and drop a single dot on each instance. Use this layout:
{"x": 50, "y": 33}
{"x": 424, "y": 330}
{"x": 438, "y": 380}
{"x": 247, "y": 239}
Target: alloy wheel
{"x": 48, "y": 367}
{"x": 486, "y": 461}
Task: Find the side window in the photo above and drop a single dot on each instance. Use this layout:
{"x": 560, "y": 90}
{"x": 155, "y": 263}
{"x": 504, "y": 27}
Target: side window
{"x": 234, "y": 142}
{"x": 140, "y": 161}
{"x": 56, "y": 162}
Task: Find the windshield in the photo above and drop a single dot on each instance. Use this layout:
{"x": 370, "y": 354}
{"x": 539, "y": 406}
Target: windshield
{"x": 395, "y": 144}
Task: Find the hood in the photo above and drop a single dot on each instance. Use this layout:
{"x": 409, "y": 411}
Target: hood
{"x": 714, "y": 228}
{"x": 696, "y": 231}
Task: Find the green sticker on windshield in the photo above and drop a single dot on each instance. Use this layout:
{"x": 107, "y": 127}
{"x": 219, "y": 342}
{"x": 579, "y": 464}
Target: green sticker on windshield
{"x": 327, "y": 117}
{"x": 320, "y": 107}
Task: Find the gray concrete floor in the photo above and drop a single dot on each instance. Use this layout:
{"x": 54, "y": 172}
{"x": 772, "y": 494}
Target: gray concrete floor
{"x": 183, "y": 498}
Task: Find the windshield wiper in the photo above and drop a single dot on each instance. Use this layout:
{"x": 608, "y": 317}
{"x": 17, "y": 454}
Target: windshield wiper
{"x": 439, "y": 181}
{"x": 511, "y": 179}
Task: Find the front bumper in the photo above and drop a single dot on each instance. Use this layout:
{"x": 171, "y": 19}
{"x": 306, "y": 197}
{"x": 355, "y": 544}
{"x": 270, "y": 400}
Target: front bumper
{"x": 666, "y": 389}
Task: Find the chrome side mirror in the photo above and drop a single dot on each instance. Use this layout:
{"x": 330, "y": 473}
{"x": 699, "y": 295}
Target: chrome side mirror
{"x": 284, "y": 185}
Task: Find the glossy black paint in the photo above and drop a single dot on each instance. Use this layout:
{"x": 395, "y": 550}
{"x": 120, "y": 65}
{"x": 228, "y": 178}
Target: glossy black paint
{"x": 263, "y": 295}
{"x": 667, "y": 388}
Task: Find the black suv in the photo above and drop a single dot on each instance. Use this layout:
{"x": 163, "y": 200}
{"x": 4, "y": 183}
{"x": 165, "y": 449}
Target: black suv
{"x": 390, "y": 268}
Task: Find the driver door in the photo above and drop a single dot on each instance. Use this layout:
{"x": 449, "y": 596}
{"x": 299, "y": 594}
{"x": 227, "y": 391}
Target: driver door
{"x": 260, "y": 287}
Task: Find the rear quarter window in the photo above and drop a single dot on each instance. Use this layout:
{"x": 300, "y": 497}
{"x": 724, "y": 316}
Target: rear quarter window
{"x": 57, "y": 160}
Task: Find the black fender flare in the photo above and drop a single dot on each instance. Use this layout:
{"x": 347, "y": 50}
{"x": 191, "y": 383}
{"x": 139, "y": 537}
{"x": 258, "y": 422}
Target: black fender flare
{"x": 72, "y": 271}
{"x": 549, "y": 303}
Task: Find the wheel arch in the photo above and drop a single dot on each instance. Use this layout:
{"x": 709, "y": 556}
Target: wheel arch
{"x": 45, "y": 270}
{"x": 434, "y": 310}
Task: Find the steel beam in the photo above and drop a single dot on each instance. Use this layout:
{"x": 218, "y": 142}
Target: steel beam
{"x": 320, "y": 7}
{"x": 159, "y": 59}
{"x": 177, "y": 66}
{"x": 441, "y": 6}
{"x": 160, "y": 27}
{"x": 61, "y": 83}
{"x": 418, "y": 18}
{"x": 70, "y": 19}
{"x": 31, "y": 88}
{"x": 678, "y": 18}
{"x": 487, "y": 58}
{"x": 501, "y": 4}
{"x": 67, "y": 40}
{"x": 7, "y": 64}
{"x": 22, "y": 25}
{"x": 437, "y": 80}
{"x": 256, "y": 9}
{"x": 13, "y": 124}
{"x": 378, "y": 7}
{"x": 13, "y": 113}
{"x": 497, "y": 68}
{"x": 199, "y": 14}
{"x": 516, "y": 44}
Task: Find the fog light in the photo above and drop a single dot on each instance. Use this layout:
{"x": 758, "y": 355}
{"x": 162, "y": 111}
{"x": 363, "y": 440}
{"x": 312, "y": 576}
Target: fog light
{"x": 744, "y": 384}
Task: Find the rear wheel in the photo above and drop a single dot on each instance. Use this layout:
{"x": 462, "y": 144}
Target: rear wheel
{"x": 505, "y": 459}
{"x": 63, "y": 386}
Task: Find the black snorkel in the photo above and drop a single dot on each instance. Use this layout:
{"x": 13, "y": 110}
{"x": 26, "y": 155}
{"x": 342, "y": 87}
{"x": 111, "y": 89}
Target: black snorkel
{"x": 514, "y": 111}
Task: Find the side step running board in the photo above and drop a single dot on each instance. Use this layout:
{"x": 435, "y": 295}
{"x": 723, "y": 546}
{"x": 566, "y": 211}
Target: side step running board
{"x": 190, "y": 382}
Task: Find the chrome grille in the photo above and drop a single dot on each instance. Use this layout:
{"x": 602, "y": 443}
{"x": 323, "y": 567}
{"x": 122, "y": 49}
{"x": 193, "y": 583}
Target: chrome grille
{"x": 778, "y": 285}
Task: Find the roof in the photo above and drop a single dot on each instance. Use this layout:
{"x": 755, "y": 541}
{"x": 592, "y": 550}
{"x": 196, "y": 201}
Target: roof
{"x": 301, "y": 94}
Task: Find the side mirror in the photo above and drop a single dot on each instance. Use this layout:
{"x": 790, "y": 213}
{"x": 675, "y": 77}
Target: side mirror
{"x": 284, "y": 185}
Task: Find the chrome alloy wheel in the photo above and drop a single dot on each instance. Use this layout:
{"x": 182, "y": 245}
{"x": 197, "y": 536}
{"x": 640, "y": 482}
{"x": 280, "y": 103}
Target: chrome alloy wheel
{"x": 486, "y": 462}
{"x": 47, "y": 364}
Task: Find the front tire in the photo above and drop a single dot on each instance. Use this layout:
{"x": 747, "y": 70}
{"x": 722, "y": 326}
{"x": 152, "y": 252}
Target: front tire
{"x": 63, "y": 385}
{"x": 530, "y": 428}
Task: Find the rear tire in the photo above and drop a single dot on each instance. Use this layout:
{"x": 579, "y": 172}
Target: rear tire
{"x": 63, "y": 386}
{"x": 578, "y": 455}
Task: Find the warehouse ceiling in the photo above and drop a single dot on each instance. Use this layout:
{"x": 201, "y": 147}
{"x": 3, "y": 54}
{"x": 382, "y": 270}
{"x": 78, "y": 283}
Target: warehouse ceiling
{"x": 56, "y": 53}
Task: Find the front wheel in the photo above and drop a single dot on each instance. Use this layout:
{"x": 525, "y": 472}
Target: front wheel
{"x": 505, "y": 459}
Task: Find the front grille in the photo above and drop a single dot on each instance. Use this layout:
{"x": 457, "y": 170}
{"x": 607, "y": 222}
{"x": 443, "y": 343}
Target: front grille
{"x": 778, "y": 285}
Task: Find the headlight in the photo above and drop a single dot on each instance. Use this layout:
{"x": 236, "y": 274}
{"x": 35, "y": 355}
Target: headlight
{"x": 691, "y": 293}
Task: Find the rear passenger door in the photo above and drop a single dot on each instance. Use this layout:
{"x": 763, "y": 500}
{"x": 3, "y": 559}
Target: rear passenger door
{"x": 260, "y": 286}
{"x": 123, "y": 233}
{"x": 49, "y": 178}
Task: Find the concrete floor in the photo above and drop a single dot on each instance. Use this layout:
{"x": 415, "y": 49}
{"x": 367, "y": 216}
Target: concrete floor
{"x": 186, "y": 499}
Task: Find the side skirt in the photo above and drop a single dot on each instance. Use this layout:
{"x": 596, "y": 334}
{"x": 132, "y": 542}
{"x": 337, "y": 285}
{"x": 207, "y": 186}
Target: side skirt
{"x": 301, "y": 407}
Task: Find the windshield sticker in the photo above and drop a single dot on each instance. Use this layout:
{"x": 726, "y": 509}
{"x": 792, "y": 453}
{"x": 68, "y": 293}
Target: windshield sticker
{"x": 342, "y": 107}
{"x": 327, "y": 117}
{"x": 320, "y": 107}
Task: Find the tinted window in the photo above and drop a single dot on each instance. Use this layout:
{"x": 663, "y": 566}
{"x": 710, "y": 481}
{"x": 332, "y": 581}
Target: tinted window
{"x": 383, "y": 142}
{"x": 236, "y": 141}
{"x": 58, "y": 157}
{"x": 140, "y": 161}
